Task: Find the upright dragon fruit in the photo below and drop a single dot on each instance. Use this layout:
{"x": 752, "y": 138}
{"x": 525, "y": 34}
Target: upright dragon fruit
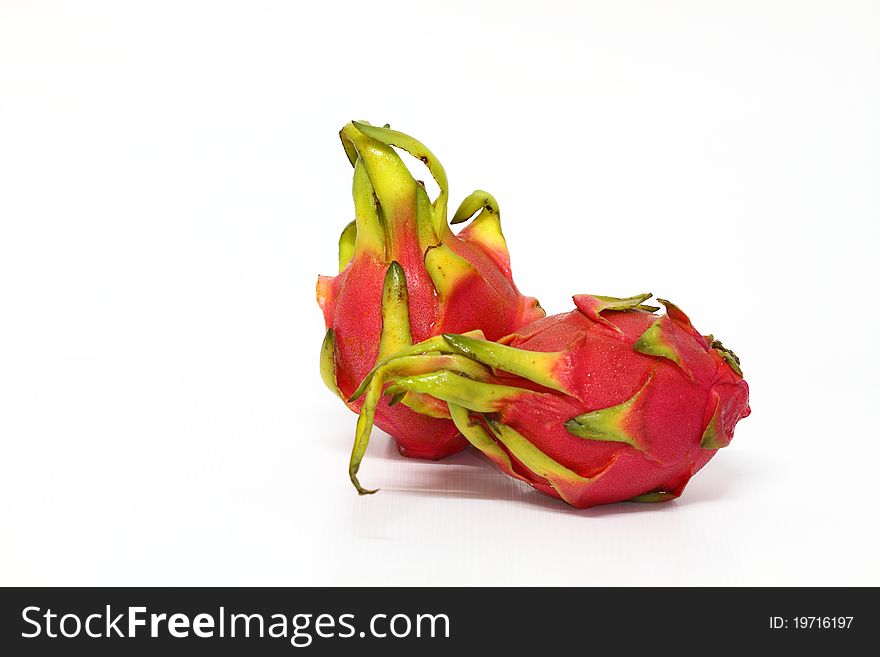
{"x": 608, "y": 402}
{"x": 405, "y": 276}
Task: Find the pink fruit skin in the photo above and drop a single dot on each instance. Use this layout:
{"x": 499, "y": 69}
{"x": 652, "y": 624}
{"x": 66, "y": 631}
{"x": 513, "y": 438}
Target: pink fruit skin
{"x": 352, "y": 304}
{"x": 602, "y": 369}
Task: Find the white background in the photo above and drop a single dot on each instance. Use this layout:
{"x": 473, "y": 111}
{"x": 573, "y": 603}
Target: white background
{"x": 171, "y": 184}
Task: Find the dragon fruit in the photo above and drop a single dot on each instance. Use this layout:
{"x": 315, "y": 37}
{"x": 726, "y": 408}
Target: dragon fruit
{"x": 405, "y": 276}
{"x": 606, "y": 403}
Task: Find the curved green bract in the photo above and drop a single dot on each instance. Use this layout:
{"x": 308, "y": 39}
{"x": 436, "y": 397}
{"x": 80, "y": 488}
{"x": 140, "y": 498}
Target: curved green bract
{"x": 655, "y": 342}
{"x": 418, "y": 150}
{"x": 403, "y": 204}
{"x": 478, "y": 201}
{"x": 387, "y": 172}
{"x": 412, "y": 366}
{"x": 601, "y": 303}
{"x": 610, "y": 424}
{"x": 593, "y": 305}
{"x": 346, "y": 244}
{"x": 477, "y": 436}
{"x": 561, "y": 478}
{"x": 540, "y": 367}
{"x": 452, "y": 388}
{"x": 486, "y": 228}
{"x": 624, "y": 303}
{"x": 435, "y": 345}
{"x": 370, "y": 235}
{"x": 362, "y": 435}
{"x": 328, "y": 363}
{"x": 395, "y": 313}
{"x": 431, "y": 362}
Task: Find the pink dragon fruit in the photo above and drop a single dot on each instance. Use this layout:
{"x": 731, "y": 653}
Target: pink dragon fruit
{"x": 404, "y": 277}
{"x": 608, "y": 402}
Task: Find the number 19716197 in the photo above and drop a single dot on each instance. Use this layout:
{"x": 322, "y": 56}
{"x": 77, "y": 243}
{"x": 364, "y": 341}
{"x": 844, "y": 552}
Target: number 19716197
{"x": 811, "y": 622}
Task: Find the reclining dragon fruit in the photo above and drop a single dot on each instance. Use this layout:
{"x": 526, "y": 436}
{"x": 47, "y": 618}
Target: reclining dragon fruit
{"x": 606, "y": 403}
{"x": 404, "y": 277}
